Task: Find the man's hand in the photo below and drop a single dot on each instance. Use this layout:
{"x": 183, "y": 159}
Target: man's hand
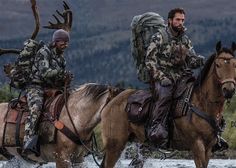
{"x": 165, "y": 81}
{"x": 7, "y": 69}
{"x": 68, "y": 77}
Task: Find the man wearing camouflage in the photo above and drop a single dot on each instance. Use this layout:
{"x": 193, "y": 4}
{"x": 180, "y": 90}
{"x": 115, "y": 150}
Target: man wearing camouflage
{"x": 48, "y": 71}
{"x": 167, "y": 68}
{"x": 170, "y": 56}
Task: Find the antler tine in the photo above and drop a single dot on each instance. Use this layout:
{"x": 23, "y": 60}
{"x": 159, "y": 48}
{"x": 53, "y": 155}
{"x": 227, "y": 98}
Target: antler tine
{"x": 65, "y": 5}
{"x": 36, "y": 17}
{"x": 67, "y": 19}
{"x": 59, "y": 13}
{"x": 8, "y": 51}
{"x": 34, "y": 34}
{"x": 58, "y": 21}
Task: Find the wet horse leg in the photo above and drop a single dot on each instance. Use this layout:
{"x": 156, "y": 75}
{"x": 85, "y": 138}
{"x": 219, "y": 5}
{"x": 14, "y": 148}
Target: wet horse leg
{"x": 207, "y": 156}
{"x": 113, "y": 149}
{"x": 64, "y": 152}
{"x": 62, "y": 161}
{"x": 199, "y": 154}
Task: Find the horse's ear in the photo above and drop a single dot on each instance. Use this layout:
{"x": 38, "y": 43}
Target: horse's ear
{"x": 233, "y": 47}
{"x": 218, "y": 46}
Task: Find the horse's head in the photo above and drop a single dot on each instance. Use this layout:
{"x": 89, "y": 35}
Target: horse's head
{"x": 224, "y": 69}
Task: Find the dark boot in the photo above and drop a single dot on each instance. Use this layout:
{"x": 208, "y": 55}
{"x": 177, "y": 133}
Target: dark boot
{"x": 158, "y": 135}
{"x": 220, "y": 145}
{"x": 32, "y": 146}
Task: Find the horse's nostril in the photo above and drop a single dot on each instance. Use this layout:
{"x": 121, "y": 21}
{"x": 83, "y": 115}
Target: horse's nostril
{"x": 224, "y": 89}
{"x": 228, "y": 93}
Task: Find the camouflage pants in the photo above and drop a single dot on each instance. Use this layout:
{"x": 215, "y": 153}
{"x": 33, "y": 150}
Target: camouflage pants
{"x": 35, "y": 104}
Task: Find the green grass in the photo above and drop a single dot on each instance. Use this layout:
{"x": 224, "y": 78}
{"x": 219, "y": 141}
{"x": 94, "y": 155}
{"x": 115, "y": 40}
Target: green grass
{"x": 6, "y": 94}
{"x": 230, "y": 117}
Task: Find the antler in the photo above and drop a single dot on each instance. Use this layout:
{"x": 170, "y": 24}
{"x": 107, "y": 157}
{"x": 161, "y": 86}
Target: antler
{"x": 34, "y": 34}
{"x": 67, "y": 17}
{"x": 36, "y": 18}
{"x": 8, "y": 51}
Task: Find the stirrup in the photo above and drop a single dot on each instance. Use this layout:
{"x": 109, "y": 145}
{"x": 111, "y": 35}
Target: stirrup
{"x": 32, "y": 146}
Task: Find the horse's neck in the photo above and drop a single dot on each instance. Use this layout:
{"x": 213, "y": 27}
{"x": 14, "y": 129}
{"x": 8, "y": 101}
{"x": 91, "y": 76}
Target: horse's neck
{"x": 208, "y": 97}
{"x": 86, "y": 109}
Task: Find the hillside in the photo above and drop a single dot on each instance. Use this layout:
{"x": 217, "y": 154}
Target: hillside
{"x": 100, "y": 45}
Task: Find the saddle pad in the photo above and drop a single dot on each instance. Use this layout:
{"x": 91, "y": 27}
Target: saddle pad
{"x": 19, "y": 112}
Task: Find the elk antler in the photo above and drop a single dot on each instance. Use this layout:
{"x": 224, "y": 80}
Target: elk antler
{"x": 36, "y": 18}
{"x": 34, "y": 34}
{"x": 67, "y": 17}
{"x": 8, "y": 51}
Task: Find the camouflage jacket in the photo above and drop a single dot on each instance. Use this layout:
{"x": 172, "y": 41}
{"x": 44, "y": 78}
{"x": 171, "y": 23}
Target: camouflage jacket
{"x": 171, "y": 58}
{"x": 48, "y": 69}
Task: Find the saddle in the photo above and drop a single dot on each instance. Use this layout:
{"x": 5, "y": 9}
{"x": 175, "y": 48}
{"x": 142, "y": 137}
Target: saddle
{"x": 18, "y": 111}
{"x": 139, "y": 104}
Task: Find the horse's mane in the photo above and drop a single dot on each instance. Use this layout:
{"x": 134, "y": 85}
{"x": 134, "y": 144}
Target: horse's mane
{"x": 93, "y": 90}
{"x": 202, "y": 75}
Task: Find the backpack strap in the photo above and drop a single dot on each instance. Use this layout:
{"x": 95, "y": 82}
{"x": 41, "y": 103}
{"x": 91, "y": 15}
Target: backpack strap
{"x": 165, "y": 35}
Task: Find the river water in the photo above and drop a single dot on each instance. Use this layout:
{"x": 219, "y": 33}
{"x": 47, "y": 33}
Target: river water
{"x": 150, "y": 163}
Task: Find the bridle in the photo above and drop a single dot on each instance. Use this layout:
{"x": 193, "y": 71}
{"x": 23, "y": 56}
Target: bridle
{"x": 228, "y": 80}
{"x": 193, "y": 109}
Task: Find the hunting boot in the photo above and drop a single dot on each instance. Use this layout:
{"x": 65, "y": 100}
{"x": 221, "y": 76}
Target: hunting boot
{"x": 31, "y": 140}
{"x": 221, "y": 142}
{"x": 158, "y": 129}
{"x": 220, "y": 145}
{"x": 32, "y": 146}
{"x": 35, "y": 103}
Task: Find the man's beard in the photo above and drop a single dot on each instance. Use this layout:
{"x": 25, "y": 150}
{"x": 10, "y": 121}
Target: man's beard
{"x": 179, "y": 30}
{"x": 60, "y": 51}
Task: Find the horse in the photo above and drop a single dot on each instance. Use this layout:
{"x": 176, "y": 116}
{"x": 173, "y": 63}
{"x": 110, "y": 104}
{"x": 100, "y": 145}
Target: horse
{"x": 197, "y": 131}
{"x": 84, "y": 105}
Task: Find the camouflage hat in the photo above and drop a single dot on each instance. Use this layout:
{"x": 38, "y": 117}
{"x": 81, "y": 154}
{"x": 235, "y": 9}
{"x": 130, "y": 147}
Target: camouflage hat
{"x": 60, "y": 35}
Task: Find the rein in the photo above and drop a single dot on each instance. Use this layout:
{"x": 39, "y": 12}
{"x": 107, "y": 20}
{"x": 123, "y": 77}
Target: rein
{"x": 212, "y": 121}
{"x": 93, "y": 151}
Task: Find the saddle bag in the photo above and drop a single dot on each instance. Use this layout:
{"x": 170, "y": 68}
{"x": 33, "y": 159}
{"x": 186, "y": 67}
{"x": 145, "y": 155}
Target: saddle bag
{"x": 138, "y": 106}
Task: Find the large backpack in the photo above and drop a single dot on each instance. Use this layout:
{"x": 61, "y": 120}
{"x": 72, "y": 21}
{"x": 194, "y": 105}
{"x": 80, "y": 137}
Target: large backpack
{"x": 143, "y": 27}
{"x": 20, "y": 74}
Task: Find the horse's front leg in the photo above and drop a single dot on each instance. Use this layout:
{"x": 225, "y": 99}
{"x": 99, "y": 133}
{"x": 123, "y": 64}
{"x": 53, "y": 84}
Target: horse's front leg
{"x": 199, "y": 154}
{"x": 65, "y": 150}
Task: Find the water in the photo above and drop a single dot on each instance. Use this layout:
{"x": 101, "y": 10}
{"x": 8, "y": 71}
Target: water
{"x": 150, "y": 163}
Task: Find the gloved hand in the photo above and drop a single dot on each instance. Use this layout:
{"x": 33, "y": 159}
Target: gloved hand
{"x": 165, "y": 81}
{"x": 68, "y": 77}
{"x": 69, "y": 74}
{"x": 7, "y": 69}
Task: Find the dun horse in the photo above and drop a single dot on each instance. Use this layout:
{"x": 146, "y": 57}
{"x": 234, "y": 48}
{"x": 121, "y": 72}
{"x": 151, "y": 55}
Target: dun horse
{"x": 84, "y": 106}
{"x": 197, "y": 133}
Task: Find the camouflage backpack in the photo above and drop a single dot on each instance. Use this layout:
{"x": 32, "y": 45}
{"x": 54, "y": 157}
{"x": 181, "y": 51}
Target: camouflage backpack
{"x": 143, "y": 27}
{"x": 20, "y": 71}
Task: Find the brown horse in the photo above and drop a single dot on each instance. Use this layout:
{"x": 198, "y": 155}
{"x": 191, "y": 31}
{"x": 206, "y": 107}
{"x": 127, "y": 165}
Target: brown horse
{"x": 84, "y": 105}
{"x": 215, "y": 84}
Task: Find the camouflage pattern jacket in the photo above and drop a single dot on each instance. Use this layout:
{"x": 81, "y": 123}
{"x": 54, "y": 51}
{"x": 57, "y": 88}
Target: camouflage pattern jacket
{"x": 48, "y": 69}
{"x": 171, "y": 58}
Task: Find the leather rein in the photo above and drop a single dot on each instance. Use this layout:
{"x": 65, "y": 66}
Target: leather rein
{"x": 212, "y": 121}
